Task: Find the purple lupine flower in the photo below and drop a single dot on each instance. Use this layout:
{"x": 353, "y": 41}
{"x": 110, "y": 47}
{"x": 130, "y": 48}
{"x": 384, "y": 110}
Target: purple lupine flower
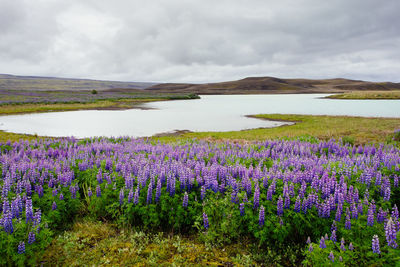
{"x": 322, "y": 242}
{"x": 261, "y": 216}
{"x": 61, "y": 196}
{"x": 149, "y": 193}
{"x": 395, "y": 217}
{"x": 287, "y": 201}
{"x": 73, "y": 190}
{"x": 99, "y": 177}
{"x": 347, "y": 224}
{"x": 269, "y": 194}
{"x": 37, "y": 218}
{"x": 185, "y": 200}
{"x": 7, "y": 222}
{"x": 28, "y": 210}
{"x": 395, "y": 213}
{"x": 121, "y": 196}
{"x": 54, "y": 206}
{"x": 366, "y": 195}
{"x": 136, "y": 197}
{"x": 360, "y": 208}
{"x": 130, "y": 196}
{"x": 202, "y": 192}
{"x": 245, "y": 199}
{"x": 375, "y": 245}
{"x": 308, "y": 240}
{"x": 279, "y": 206}
{"x": 331, "y": 256}
{"x": 31, "y": 238}
{"x": 390, "y": 233}
{"x": 386, "y": 194}
{"x": 21, "y": 247}
{"x": 338, "y": 215}
{"x": 310, "y": 248}
{"x": 90, "y": 193}
{"x": 234, "y": 196}
{"x": 342, "y": 247}
{"x": 370, "y": 216}
{"x": 380, "y": 218}
{"x": 256, "y": 200}
{"x": 205, "y": 220}
{"x": 354, "y": 211}
{"x": 297, "y": 204}
{"x": 158, "y": 190}
{"x": 333, "y": 236}
{"x": 241, "y": 209}
{"x": 98, "y": 191}
{"x": 351, "y": 247}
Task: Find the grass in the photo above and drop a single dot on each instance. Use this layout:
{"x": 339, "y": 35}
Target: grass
{"x": 367, "y": 95}
{"x": 124, "y": 103}
{"x": 360, "y": 130}
{"x": 357, "y": 130}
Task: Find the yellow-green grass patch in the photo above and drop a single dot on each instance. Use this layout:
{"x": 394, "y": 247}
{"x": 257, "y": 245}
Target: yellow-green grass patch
{"x": 363, "y": 130}
{"x": 367, "y": 95}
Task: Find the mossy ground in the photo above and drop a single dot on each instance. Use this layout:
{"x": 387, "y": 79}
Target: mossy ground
{"x": 91, "y": 243}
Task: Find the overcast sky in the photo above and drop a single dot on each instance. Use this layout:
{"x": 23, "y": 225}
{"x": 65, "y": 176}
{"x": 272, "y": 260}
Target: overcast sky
{"x": 201, "y": 41}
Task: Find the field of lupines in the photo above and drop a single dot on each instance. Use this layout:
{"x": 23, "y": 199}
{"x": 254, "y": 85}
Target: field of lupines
{"x": 338, "y": 202}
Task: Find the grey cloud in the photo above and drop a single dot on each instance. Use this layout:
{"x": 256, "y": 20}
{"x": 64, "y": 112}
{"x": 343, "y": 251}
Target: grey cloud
{"x": 201, "y": 41}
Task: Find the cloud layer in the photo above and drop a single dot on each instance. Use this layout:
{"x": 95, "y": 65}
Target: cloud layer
{"x": 201, "y": 41}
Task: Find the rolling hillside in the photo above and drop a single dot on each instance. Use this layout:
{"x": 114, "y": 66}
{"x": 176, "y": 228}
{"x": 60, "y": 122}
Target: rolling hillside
{"x": 271, "y": 85}
{"x": 12, "y": 82}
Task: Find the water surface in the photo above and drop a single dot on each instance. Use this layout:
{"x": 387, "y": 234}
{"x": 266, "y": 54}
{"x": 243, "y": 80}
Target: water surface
{"x": 210, "y": 113}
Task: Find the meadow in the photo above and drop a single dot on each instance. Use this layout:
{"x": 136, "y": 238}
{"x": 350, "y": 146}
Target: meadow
{"x": 323, "y": 191}
{"x": 330, "y": 201}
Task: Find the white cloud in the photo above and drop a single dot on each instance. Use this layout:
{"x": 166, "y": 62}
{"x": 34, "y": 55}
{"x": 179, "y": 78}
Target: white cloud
{"x": 200, "y": 41}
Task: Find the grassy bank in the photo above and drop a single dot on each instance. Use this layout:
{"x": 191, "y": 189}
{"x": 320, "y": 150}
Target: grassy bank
{"x": 367, "y": 95}
{"x": 358, "y": 130}
{"x": 123, "y": 103}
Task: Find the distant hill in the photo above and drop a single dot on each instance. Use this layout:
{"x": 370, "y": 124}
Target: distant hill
{"x": 271, "y": 85}
{"x": 12, "y": 82}
{"x": 250, "y": 85}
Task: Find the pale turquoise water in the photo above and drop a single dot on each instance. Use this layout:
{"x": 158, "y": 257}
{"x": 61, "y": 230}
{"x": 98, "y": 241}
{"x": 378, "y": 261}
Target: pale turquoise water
{"x": 210, "y": 113}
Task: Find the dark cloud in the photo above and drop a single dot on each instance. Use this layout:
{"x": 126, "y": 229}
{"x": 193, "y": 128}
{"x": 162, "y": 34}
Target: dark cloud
{"x": 200, "y": 41}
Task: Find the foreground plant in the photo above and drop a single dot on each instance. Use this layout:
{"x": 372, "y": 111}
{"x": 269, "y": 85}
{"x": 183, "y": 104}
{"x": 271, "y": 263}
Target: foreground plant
{"x": 275, "y": 192}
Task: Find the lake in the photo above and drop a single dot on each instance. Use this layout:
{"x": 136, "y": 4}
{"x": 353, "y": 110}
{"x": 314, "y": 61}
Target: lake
{"x": 210, "y": 113}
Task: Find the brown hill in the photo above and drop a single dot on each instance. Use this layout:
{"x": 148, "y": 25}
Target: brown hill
{"x": 271, "y": 85}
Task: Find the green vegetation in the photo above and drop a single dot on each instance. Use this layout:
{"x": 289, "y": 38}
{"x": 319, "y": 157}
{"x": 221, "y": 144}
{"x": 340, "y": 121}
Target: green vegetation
{"x": 367, "y": 95}
{"x": 12, "y": 109}
{"x": 352, "y": 130}
{"x": 358, "y": 130}
{"x": 92, "y": 243}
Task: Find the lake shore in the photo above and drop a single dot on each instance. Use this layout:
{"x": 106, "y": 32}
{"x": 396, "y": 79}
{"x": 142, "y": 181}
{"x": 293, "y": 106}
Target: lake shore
{"x": 367, "y": 95}
{"x": 352, "y": 129}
